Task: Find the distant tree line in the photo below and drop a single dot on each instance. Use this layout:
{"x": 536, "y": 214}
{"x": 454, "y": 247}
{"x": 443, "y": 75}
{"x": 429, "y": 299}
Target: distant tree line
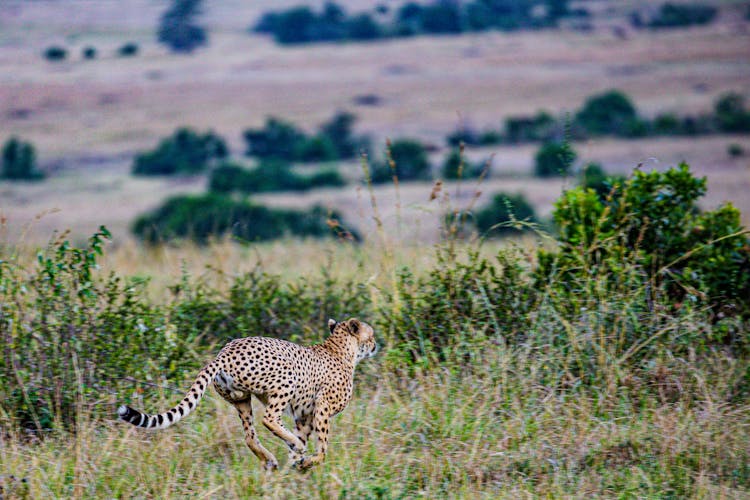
{"x": 610, "y": 113}
{"x": 674, "y": 15}
{"x": 302, "y": 24}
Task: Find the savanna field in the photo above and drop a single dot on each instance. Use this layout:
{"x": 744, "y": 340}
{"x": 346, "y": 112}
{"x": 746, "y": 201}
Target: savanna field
{"x": 543, "y": 219}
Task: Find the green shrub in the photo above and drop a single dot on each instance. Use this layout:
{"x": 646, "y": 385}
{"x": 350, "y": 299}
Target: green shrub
{"x": 455, "y": 166}
{"x": 667, "y": 124}
{"x": 177, "y": 28}
{"x": 269, "y": 175}
{"x": 185, "y": 152}
{"x": 19, "y": 161}
{"x": 339, "y": 131}
{"x": 200, "y": 218}
{"x": 363, "y": 27}
{"x": 277, "y": 139}
{"x": 55, "y": 53}
{"x": 611, "y": 112}
{"x": 653, "y": 221}
{"x": 499, "y": 216}
{"x": 735, "y": 150}
{"x": 731, "y": 114}
{"x": 554, "y": 159}
{"x": 594, "y": 177}
{"x": 129, "y": 49}
{"x": 672, "y": 15}
{"x": 542, "y": 127}
{"x": 89, "y": 52}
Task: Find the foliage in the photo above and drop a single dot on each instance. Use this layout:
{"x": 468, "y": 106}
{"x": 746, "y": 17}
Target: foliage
{"x": 200, "y": 218}
{"x": 55, "y": 53}
{"x": 19, "y": 161}
{"x": 735, "y": 150}
{"x": 652, "y": 221}
{"x": 499, "y": 216}
{"x": 89, "y": 52}
{"x": 731, "y": 114}
{"x": 129, "y": 49}
{"x": 177, "y": 28}
{"x": 553, "y": 159}
{"x": 301, "y": 24}
{"x": 406, "y": 159}
{"x": 608, "y": 113}
{"x": 672, "y": 15}
{"x": 269, "y": 175}
{"x": 594, "y": 177}
{"x": 542, "y": 127}
{"x": 455, "y": 166}
{"x": 185, "y": 152}
{"x": 283, "y": 140}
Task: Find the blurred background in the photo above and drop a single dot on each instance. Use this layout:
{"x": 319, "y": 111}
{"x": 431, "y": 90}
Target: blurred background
{"x": 168, "y": 119}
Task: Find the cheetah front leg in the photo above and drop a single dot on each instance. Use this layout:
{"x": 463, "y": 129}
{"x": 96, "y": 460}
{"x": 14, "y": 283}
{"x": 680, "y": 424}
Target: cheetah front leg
{"x": 321, "y": 425}
{"x": 245, "y": 409}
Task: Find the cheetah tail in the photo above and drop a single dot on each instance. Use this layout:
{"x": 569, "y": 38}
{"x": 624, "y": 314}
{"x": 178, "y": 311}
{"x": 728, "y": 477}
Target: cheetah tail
{"x": 174, "y": 415}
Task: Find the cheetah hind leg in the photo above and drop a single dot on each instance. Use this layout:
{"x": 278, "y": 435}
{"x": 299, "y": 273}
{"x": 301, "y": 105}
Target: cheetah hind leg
{"x": 245, "y": 409}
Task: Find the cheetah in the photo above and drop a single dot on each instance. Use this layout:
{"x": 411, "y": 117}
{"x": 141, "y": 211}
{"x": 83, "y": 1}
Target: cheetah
{"x": 311, "y": 383}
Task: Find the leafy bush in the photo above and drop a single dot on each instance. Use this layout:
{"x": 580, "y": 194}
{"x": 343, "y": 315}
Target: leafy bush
{"x": 735, "y": 150}
{"x": 19, "y": 161}
{"x": 498, "y": 217}
{"x": 542, "y": 127}
{"x": 608, "y": 113}
{"x": 653, "y": 221}
{"x": 594, "y": 177}
{"x": 89, "y": 52}
{"x": 55, "y": 53}
{"x": 129, "y": 49}
{"x": 673, "y": 15}
{"x": 177, "y": 28}
{"x": 455, "y": 166}
{"x": 200, "y": 218}
{"x": 731, "y": 114}
{"x": 554, "y": 159}
{"x": 185, "y": 152}
{"x": 407, "y": 158}
{"x": 283, "y": 140}
{"x": 269, "y": 175}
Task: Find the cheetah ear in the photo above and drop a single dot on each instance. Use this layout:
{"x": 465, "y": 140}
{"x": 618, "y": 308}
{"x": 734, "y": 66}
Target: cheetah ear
{"x": 332, "y": 324}
{"x": 354, "y": 325}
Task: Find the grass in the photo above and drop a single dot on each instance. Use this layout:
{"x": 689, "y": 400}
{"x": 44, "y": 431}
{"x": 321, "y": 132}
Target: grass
{"x": 489, "y": 431}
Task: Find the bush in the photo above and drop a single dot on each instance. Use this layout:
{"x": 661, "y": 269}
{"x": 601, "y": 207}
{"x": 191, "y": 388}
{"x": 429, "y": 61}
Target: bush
{"x": 542, "y": 127}
{"x": 410, "y": 162}
{"x": 594, "y": 177}
{"x": 667, "y": 124}
{"x": 735, "y": 150}
{"x": 363, "y": 27}
{"x": 499, "y": 216}
{"x": 731, "y": 114}
{"x": 200, "y": 218}
{"x": 339, "y": 131}
{"x": 177, "y": 29}
{"x": 554, "y": 159}
{"x": 269, "y": 175}
{"x": 129, "y": 49}
{"x": 672, "y": 15}
{"x": 185, "y": 152}
{"x": 277, "y": 139}
{"x": 55, "y": 53}
{"x": 654, "y": 221}
{"x": 456, "y": 167}
{"x": 89, "y": 52}
{"x": 608, "y": 113}
{"x": 19, "y": 161}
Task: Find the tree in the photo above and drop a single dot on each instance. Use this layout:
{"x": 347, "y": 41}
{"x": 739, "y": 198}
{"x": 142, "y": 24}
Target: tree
{"x": 608, "y": 113}
{"x": 497, "y": 216}
{"x": 19, "y": 161}
{"x": 554, "y": 159}
{"x": 185, "y": 152}
{"x": 177, "y": 29}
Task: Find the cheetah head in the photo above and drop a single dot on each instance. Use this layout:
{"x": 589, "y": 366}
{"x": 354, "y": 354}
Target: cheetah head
{"x": 365, "y": 335}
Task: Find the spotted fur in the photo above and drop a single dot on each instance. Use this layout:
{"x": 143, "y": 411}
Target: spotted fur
{"x": 312, "y": 383}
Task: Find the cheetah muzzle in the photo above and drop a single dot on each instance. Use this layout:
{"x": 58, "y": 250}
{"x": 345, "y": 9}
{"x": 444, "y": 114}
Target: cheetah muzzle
{"x": 312, "y": 383}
